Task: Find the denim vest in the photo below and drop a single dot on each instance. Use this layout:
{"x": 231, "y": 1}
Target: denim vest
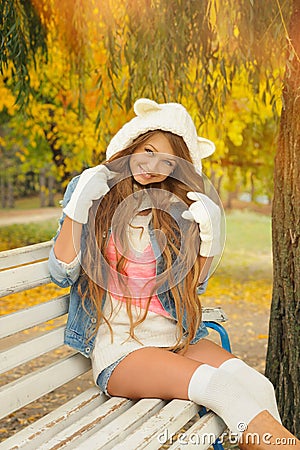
{"x": 81, "y": 323}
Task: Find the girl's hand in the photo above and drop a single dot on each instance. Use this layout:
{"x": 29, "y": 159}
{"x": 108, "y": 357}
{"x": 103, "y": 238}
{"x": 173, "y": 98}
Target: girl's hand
{"x": 208, "y": 215}
{"x": 92, "y": 185}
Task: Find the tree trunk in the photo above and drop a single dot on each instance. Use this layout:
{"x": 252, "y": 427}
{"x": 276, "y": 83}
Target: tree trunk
{"x": 252, "y": 184}
{"x": 218, "y": 187}
{"x": 42, "y": 181}
{"x": 51, "y": 182}
{"x": 283, "y": 355}
{"x": 10, "y": 193}
{"x": 3, "y": 192}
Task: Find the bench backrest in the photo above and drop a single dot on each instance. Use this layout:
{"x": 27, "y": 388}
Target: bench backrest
{"x": 23, "y": 269}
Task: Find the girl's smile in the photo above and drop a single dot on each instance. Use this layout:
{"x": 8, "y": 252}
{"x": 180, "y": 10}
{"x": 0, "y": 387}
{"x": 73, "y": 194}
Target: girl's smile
{"x": 153, "y": 161}
{"x": 144, "y": 173}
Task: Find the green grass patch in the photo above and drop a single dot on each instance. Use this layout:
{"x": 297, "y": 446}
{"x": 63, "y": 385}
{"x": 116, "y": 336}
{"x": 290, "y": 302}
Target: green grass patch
{"x": 247, "y": 253}
{"x": 32, "y": 202}
{"x": 19, "y": 235}
{"x": 248, "y": 231}
{"x": 245, "y": 269}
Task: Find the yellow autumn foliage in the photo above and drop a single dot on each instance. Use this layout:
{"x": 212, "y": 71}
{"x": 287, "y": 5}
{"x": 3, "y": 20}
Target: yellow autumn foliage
{"x": 26, "y": 299}
{"x": 225, "y": 289}
{"x": 69, "y": 98}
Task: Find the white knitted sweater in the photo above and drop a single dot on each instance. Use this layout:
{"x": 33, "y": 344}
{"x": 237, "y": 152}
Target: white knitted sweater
{"x": 155, "y": 331}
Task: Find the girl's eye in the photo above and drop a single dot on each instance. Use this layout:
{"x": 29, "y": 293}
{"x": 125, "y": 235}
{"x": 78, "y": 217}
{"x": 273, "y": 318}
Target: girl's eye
{"x": 149, "y": 151}
{"x": 169, "y": 163}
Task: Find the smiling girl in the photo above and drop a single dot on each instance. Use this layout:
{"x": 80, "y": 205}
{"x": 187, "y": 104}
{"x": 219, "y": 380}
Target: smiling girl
{"x": 136, "y": 241}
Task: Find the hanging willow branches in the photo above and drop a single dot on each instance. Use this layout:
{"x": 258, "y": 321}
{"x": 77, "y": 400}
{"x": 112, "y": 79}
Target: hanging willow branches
{"x": 22, "y": 37}
{"x": 165, "y": 49}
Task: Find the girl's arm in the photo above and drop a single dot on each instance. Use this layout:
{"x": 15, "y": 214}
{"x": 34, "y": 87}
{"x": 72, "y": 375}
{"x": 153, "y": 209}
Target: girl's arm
{"x": 205, "y": 263}
{"x": 64, "y": 258}
{"x": 67, "y": 244}
{"x": 91, "y": 185}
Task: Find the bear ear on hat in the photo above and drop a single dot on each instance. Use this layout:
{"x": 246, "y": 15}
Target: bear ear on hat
{"x": 205, "y": 147}
{"x": 144, "y": 105}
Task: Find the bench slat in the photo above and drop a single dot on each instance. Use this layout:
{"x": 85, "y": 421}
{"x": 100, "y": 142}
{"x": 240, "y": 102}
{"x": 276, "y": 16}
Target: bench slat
{"x": 215, "y": 314}
{"x": 24, "y": 277}
{"x": 117, "y": 430}
{"x": 35, "y": 434}
{"x": 48, "y": 426}
{"x": 24, "y": 255}
{"x": 31, "y": 349}
{"x": 30, "y": 317}
{"x": 34, "y": 385}
{"x": 172, "y": 417}
{"x": 56, "y": 421}
{"x": 207, "y": 429}
{"x": 100, "y": 416}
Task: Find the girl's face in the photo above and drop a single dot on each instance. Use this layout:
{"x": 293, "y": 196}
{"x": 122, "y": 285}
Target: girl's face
{"x": 153, "y": 161}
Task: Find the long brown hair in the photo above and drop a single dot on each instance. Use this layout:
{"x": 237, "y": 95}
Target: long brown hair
{"x": 93, "y": 282}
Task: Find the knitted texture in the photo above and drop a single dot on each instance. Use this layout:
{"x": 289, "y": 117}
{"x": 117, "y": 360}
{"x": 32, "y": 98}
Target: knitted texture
{"x": 158, "y": 329}
{"x": 171, "y": 117}
{"x": 262, "y": 388}
{"x": 223, "y": 394}
{"x": 155, "y": 331}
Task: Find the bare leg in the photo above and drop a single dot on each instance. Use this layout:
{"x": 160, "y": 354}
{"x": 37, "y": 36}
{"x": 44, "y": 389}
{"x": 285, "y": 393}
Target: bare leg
{"x": 153, "y": 373}
{"x": 264, "y": 432}
{"x": 207, "y": 352}
{"x": 159, "y": 373}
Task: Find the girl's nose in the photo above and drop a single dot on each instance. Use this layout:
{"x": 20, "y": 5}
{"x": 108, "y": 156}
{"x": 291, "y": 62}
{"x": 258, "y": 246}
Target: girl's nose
{"x": 154, "y": 166}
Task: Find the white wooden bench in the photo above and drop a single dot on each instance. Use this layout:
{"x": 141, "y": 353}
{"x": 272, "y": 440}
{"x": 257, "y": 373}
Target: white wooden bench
{"x": 90, "y": 420}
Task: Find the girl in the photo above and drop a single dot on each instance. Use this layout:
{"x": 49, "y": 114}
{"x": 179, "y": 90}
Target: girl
{"x": 136, "y": 243}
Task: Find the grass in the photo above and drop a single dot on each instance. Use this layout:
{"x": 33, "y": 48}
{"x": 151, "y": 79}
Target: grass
{"x": 248, "y": 246}
{"x": 245, "y": 269}
{"x": 249, "y": 231}
{"x": 30, "y": 202}
{"x": 19, "y": 235}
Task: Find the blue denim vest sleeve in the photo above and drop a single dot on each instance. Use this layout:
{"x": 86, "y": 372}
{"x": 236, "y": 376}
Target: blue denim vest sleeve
{"x": 67, "y": 196}
{"x": 61, "y": 274}
{"x": 202, "y": 287}
{"x": 80, "y": 332}
{"x": 81, "y": 323}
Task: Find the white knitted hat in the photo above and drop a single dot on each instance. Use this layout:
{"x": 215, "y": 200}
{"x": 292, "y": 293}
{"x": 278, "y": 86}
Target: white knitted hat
{"x": 171, "y": 117}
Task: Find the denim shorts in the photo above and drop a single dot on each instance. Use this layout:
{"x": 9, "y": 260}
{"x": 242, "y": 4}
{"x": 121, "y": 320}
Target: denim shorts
{"x": 105, "y": 374}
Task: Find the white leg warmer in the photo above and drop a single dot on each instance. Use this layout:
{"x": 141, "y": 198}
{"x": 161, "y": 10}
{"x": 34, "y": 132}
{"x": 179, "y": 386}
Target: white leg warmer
{"x": 261, "y": 388}
{"x": 222, "y": 393}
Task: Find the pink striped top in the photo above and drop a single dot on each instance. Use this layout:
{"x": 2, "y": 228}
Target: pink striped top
{"x": 139, "y": 276}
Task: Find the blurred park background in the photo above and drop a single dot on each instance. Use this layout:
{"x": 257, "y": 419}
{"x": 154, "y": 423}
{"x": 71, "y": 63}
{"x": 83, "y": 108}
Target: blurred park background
{"x": 70, "y": 73}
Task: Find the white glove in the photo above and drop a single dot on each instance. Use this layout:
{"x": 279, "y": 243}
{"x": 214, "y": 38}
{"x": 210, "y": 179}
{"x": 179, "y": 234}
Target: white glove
{"x": 208, "y": 215}
{"x": 92, "y": 185}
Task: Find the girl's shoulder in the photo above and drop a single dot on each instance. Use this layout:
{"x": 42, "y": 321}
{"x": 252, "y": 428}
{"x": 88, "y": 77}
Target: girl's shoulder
{"x": 69, "y": 190}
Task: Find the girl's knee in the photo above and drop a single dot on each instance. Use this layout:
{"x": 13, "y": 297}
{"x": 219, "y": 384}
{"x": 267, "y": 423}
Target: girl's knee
{"x": 264, "y": 383}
